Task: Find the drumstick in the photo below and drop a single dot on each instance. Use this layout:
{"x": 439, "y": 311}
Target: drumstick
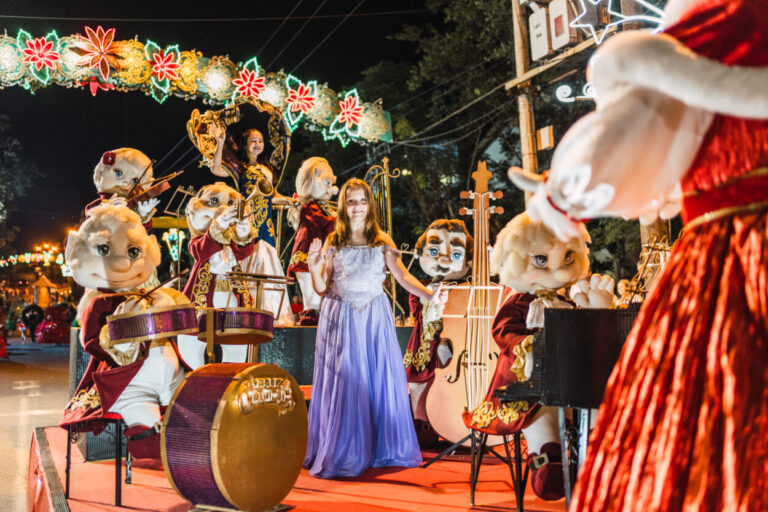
{"x": 164, "y": 283}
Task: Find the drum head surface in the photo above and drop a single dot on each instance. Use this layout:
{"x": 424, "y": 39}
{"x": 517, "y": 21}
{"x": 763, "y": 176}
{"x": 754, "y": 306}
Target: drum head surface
{"x": 257, "y": 455}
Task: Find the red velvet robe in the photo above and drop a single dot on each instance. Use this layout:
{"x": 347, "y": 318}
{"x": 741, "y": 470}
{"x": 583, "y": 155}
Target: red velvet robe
{"x": 313, "y": 224}
{"x": 202, "y": 283}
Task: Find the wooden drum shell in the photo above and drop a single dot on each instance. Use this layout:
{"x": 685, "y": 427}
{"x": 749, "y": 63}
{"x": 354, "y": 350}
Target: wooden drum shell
{"x": 215, "y": 455}
{"x": 237, "y": 326}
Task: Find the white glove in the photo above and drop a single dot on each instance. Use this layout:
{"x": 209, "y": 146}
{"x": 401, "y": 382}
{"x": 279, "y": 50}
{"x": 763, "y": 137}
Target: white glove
{"x": 595, "y": 293}
{"x": 227, "y": 217}
{"x": 145, "y": 208}
{"x": 243, "y": 228}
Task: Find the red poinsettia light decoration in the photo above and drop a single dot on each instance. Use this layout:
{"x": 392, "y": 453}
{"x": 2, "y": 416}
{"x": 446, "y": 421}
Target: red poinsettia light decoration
{"x": 351, "y": 113}
{"x": 40, "y": 53}
{"x": 165, "y": 66}
{"x": 249, "y": 83}
{"x": 301, "y": 99}
{"x": 97, "y": 51}
{"x": 95, "y": 85}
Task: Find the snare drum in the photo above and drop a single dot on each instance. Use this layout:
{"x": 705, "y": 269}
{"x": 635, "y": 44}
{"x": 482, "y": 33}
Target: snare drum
{"x": 234, "y": 436}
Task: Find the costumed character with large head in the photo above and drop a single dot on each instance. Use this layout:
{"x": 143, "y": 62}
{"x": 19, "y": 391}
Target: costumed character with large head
{"x": 120, "y": 172}
{"x": 535, "y": 264}
{"x": 444, "y": 252}
{"x": 221, "y": 243}
{"x": 680, "y": 115}
{"x": 311, "y": 220}
{"x": 249, "y": 143}
{"x": 113, "y": 253}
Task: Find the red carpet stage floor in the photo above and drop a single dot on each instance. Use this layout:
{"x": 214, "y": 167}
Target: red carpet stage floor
{"x": 441, "y": 487}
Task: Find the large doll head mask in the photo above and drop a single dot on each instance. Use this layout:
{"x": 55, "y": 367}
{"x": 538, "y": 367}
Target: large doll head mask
{"x": 315, "y": 180}
{"x": 112, "y": 250}
{"x": 528, "y": 257}
{"x": 207, "y": 205}
{"x": 119, "y": 170}
{"x": 445, "y": 249}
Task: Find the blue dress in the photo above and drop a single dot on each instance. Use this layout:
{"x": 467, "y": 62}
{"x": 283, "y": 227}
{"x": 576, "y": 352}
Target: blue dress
{"x": 248, "y": 176}
{"x": 360, "y": 414}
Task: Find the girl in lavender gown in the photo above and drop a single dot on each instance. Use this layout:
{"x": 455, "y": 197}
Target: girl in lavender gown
{"x": 359, "y": 415}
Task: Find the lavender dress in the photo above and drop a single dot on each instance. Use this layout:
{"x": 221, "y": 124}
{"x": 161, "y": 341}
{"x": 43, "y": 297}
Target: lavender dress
{"x": 359, "y": 415}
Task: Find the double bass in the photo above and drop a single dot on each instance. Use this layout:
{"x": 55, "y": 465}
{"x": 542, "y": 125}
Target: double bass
{"x": 467, "y": 319}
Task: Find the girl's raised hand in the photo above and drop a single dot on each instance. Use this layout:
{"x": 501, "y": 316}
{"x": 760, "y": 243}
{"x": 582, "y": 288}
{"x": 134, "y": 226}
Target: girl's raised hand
{"x": 315, "y": 256}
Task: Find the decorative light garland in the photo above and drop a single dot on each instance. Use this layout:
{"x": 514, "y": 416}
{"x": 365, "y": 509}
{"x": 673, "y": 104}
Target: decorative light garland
{"x": 101, "y": 63}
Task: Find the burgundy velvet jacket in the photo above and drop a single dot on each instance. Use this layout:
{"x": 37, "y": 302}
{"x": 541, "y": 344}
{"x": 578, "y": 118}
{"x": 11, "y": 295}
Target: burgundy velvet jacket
{"x": 202, "y": 283}
{"x": 509, "y": 330}
{"x": 420, "y": 365}
{"x": 104, "y": 380}
{"x": 313, "y": 223}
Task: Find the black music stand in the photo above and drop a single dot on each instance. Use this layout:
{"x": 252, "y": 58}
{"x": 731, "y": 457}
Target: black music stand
{"x": 573, "y": 357}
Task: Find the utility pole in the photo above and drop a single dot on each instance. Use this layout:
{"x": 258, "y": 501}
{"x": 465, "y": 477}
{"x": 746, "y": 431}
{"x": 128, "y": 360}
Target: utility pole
{"x": 524, "y": 98}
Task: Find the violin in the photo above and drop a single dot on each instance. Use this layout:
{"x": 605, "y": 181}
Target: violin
{"x": 141, "y": 192}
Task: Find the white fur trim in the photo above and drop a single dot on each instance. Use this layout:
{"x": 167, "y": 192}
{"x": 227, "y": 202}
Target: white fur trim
{"x": 663, "y": 64}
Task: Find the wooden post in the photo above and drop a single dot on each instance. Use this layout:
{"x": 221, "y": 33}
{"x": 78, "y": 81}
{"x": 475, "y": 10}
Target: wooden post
{"x": 524, "y": 100}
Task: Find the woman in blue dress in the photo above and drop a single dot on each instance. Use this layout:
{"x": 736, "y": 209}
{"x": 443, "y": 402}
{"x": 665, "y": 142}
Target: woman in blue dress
{"x": 248, "y": 171}
{"x": 359, "y": 415}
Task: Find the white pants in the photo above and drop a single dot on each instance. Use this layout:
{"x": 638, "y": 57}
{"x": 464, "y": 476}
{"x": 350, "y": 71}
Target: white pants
{"x": 265, "y": 260}
{"x": 152, "y": 386}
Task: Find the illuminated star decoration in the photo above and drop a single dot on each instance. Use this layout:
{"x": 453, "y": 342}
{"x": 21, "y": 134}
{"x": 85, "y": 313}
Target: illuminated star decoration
{"x": 563, "y": 93}
{"x": 96, "y": 50}
{"x": 616, "y": 13}
{"x": 248, "y": 82}
{"x": 41, "y": 53}
{"x": 301, "y": 99}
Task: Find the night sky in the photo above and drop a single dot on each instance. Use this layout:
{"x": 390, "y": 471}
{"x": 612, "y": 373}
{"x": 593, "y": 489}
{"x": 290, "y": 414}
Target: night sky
{"x": 65, "y": 131}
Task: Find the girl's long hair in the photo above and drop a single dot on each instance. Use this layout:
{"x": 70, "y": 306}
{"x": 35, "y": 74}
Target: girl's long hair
{"x": 340, "y": 235}
{"x": 261, "y": 159}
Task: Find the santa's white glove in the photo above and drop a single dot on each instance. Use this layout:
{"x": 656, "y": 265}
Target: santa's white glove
{"x": 145, "y": 209}
{"x": 227, "y": 217}
{"x": 117, "y": 200}
{"x": 597, "y": 292}
{"x": 563, "y": 200}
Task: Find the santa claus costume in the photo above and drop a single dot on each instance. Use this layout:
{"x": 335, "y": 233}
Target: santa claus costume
{"x": 684, "y": 421}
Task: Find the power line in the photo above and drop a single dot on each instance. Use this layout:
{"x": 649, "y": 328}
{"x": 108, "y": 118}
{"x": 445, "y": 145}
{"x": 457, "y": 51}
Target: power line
{"x": 296, "y": 34}
{"x": 213, "y": 20}
{"x": 274, "y": 33}
{"x": 329, "y": 34}
{"x": 446, "y": 92}
{"x": 443, "y": 134}
{"x": 467, "y": 70}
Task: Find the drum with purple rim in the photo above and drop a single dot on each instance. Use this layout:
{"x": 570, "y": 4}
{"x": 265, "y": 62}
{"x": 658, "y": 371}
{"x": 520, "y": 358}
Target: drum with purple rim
{"x": 236, "y": 326}
{"x": 153, "y": 323}
{"x": 234, "y": 436}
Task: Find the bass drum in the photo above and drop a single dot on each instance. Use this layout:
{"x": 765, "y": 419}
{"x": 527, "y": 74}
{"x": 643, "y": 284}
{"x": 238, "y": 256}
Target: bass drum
{"x": 235, "y": 436}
